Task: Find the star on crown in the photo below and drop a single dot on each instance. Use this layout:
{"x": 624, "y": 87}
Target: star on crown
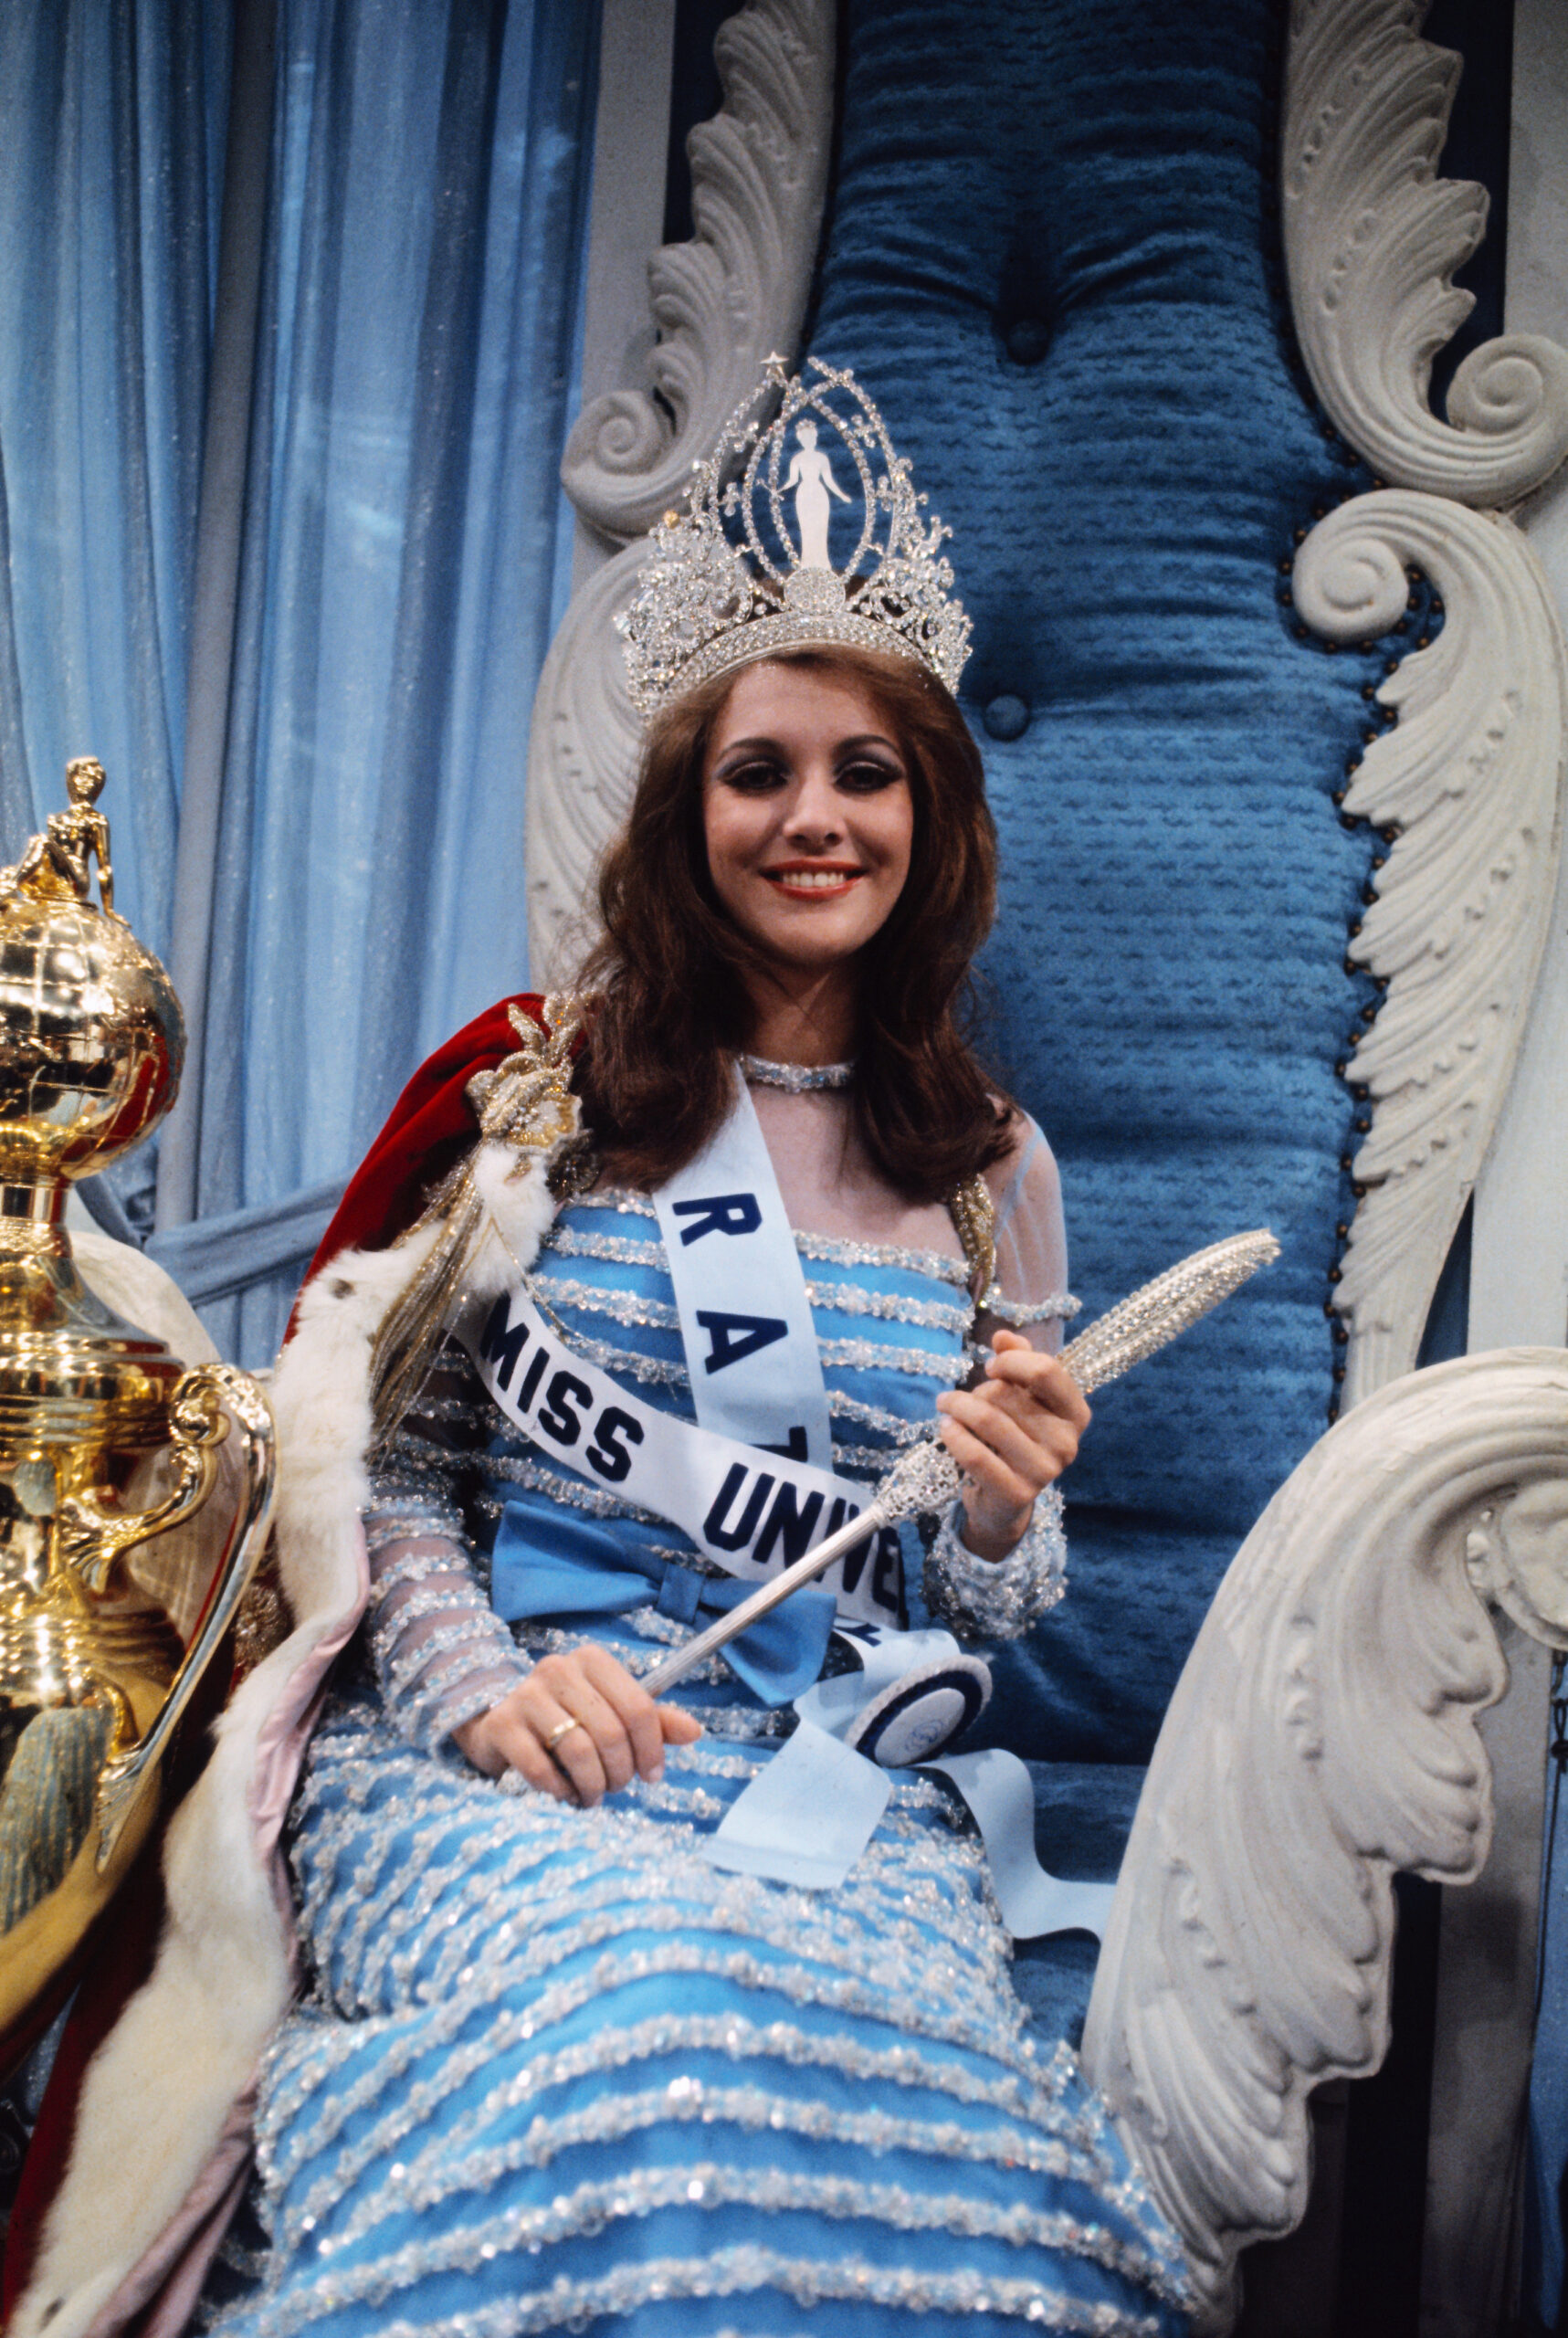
{"x": 739, "y": 574}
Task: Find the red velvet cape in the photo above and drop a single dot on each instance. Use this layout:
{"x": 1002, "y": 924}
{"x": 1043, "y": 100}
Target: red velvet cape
{"x": 427, "y": 1131}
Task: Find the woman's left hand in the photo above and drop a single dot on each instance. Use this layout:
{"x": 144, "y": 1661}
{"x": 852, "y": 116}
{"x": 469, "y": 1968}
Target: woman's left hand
{"x": 1011, "y": 1436}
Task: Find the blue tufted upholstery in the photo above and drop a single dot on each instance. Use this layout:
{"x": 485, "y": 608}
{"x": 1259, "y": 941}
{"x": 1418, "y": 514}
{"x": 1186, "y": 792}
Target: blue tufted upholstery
{"x": 1052, "y": 258}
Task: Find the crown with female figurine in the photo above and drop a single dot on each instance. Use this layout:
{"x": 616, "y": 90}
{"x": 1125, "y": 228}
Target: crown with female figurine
{"x": 731, "y": 578}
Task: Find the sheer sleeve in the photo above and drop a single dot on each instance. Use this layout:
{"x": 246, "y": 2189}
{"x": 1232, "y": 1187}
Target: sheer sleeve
{"x": 441, "y": 1653}
{"x": 1031, "y": 1246}
{"x": 995, "y": 1599}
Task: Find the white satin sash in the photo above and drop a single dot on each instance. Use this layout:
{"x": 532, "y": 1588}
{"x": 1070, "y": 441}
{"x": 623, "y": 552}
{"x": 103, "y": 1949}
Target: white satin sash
{"x": 745, "y": 1320}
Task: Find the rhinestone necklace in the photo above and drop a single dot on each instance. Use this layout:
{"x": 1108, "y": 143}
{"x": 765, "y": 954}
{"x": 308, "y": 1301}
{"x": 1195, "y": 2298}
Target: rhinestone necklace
{"x": 796, "y": 1078}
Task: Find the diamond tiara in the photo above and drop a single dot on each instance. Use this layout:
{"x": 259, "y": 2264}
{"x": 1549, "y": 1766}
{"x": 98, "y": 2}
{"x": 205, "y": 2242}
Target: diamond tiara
{"x": 738, "y": 574}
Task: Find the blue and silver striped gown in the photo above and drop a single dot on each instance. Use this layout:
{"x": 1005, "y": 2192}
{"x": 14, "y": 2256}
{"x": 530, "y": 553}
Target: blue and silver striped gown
{"x": 555, "y": 2072}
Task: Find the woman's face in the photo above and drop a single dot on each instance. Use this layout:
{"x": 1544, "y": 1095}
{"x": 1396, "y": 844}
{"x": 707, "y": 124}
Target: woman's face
{"x": 807, "y": 813}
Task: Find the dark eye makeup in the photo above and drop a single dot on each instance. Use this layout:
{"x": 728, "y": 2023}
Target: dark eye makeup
{"x": 865, "y": 776}
{"x": 753, "y": 775}
{"x": 859, "y": 774}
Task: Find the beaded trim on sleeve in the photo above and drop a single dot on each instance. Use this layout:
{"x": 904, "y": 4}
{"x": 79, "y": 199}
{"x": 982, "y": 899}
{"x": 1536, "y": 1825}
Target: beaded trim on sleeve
{"x": 431, "y": 1683}
{"x": 997, "y": 1599}
{"x": 429, "y": 1719}
{"x": 403, "y": 1518}
{"x": 1059, "y": 1308}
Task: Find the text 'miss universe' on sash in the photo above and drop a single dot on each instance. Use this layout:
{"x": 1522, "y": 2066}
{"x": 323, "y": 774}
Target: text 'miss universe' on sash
{"x": 750, "y": 1481}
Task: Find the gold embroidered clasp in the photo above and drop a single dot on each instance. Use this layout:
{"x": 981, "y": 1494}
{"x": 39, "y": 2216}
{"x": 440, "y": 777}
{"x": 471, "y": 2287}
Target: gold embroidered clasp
{"x": 527, "y": 1101}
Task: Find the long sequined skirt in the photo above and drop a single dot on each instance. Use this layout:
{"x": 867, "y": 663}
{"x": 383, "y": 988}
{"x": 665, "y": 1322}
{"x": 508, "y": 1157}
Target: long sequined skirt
{"x": 554, "y": 2071}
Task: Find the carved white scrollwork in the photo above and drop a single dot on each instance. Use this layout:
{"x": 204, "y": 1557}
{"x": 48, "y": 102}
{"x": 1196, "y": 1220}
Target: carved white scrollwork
{"x": 738, "y": 288}
{"x": 581, "y": 762}
{"x": 1321, "y": 1737}
{"x": 1471, "y": 779}
{"x": 1372, "y": 237}
{"x": 723, "y": 303}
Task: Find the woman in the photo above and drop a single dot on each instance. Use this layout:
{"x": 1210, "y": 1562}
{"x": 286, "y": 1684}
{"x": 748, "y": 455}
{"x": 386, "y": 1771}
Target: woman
{"x": 682, "y": 2014}
{"x": 807, "y": 808}
{"x": 698, "y": 2098}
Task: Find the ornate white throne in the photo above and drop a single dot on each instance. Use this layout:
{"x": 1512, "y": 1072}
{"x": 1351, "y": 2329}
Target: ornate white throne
{"x": 1328, "y": 1729}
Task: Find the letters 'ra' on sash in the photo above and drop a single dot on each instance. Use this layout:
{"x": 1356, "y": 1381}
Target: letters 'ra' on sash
{"x": 752, "y": 1512}
{"x": 752, "y": 1483}
{"x": 745, "y": 1320}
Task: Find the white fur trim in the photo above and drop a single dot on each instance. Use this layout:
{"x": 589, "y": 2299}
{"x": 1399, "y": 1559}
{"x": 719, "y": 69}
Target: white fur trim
{"x": 321, "y": 1401}
{"x": 158, "y": 2090}
{"x": 521, "y": 1208}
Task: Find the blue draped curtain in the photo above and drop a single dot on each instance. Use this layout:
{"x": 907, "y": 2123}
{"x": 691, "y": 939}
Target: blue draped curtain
{"x": 111, "y": 168}
{"x": 283, "y": 539}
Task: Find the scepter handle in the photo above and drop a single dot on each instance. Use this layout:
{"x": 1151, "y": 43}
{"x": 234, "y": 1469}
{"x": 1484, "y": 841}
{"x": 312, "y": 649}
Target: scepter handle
{"x": 764, "y": 1600}
{"x": 927, "y": 1476}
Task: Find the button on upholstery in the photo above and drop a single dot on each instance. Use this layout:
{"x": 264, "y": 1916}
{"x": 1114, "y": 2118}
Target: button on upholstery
{"x": 1027, "y": 340}
{"x": 1007, "y": 717}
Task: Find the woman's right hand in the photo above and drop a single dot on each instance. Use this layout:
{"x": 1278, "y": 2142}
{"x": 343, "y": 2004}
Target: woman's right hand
{"x": 618, "y": 1733}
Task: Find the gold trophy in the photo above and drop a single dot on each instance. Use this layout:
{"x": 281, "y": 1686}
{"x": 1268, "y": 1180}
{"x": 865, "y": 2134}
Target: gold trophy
{"x": 120, "y": 1571}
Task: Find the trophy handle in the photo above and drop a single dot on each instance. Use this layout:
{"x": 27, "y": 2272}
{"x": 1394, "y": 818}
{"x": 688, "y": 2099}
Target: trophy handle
{"x": 197, "y": 1397}
{"x": 88, "y": 1539}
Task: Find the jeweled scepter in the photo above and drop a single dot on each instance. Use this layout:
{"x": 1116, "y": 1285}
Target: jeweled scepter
{"x": 927, "y": 1476}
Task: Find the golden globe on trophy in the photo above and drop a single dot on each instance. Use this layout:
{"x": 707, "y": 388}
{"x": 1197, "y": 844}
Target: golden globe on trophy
{"x": 134, "y": 1494}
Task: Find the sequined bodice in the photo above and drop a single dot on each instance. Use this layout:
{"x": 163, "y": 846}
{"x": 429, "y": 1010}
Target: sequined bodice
{"x": 891, "y": 1326}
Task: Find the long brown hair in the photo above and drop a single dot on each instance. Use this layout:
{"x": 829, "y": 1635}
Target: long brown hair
{"x": 667, "y": 976}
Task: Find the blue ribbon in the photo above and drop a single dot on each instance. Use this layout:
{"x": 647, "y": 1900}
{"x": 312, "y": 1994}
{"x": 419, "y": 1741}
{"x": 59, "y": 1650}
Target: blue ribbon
{"x": 600, "y": 1573}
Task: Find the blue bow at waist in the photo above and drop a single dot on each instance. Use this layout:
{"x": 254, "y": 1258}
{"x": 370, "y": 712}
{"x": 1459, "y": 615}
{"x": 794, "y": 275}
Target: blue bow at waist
{"x": 545, "y": 1562}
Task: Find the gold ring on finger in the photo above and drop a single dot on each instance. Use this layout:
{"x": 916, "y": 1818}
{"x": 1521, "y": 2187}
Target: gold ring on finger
{"x": 561, "y": 1729}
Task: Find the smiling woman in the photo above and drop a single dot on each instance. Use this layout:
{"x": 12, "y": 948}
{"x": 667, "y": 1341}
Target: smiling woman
{"x": 700, "y": 948}
{"x": 683, "y": 2018}
{"x": 807, "y": 819}
{"x": 714, "y": 2018}
{"x": 783, "y": 813}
